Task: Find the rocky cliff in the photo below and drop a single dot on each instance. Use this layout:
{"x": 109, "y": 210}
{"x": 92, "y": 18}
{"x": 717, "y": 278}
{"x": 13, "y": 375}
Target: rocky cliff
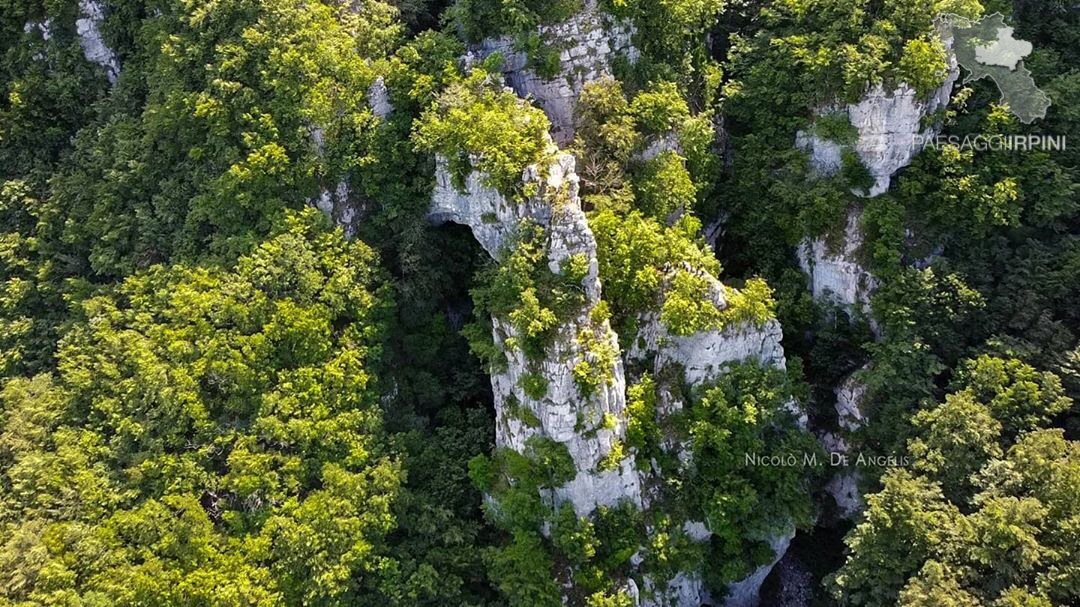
{"x": 589, "y": 426}
{"x": 88, "y": 27}
{"x": 889, "y": 128}
{"x": 587, "y": 44}
{"x": 835, "y": 269}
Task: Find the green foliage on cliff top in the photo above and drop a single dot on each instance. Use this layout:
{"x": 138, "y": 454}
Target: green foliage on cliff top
{"x": 475, "y": 124}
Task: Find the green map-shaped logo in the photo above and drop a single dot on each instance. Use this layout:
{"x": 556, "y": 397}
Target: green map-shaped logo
{"x": 986, "y": 49}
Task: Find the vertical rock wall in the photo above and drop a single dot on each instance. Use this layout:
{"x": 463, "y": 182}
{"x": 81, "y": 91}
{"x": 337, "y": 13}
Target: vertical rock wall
{"x": 587, "y": 44}
{"x": 88, "y": 27}
{"x": 891, "y": 127}
{"x": 582, "y": 423}
{"x": 703, "y": 357}
{"x": 835, "y": 270}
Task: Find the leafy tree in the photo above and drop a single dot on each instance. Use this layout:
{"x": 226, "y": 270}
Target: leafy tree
{"x": 476, "y": 125}
{"x": 208, "y": 431}
{"x": 968, "y": 525}
{"x": 747, "y": 412}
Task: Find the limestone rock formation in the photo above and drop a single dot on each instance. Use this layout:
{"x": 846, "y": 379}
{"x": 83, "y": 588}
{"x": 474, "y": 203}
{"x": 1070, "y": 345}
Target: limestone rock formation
{"x": 844, "y": 485}
{"x": 88, "y": 26}
{"x": 835, "y": 271}
{"x": 703, "y": 356}
{"x": 747, "y": 592}
{"x": 589, "y": 426}
{"x": 891, "y": 127}
{"x": 43, "y": 27}
{"x": 588, "y": 42}
{"x": 336, "y": 199}
{"x": 849, "y": 397}
{"x": 563, "y": 414}
{"x": 890, "y": 124}
{"x": 378, "y": 98}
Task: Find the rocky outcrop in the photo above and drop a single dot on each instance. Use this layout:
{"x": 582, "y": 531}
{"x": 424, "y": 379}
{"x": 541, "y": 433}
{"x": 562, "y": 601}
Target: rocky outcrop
{"x": 587, "y": 44}
{"x": 683, "y": 590}
{"x": 843, "y": 487}
{"x": 835, "y": 270}
{"x": 890, "y": 127}
{"x": 590, "y": 426}
{"x": 703, "y": 357}
{"x": 747, "y": 592}
{"x": 43, "y": 27}
{"x": 336, "y": 204}
{"x": 88, "y": 27}
{"x": 336, "y": 199}
{"x": 378, "y": 98}
{"x": 491, "y": 216}
{"x": 849, "y": 396}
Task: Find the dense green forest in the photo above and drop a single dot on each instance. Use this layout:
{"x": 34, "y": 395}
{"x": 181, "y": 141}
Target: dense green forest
{"x": 262, "y": 342}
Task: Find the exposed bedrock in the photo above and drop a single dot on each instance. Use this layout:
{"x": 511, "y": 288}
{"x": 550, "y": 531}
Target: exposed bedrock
{"x": 88, "y": 27}
{"x": 891, "y": 126}
{"x": 582, "y": 423}
{"x": 587, "y": 44}
{"x": 844, "y": 484}
{"x": 336, "y": 198}
{"x": 563, "y": 414}
{"x": 835, "y": 269}
{"x": 703, "y": 357}
{"x": 889, "y": 129}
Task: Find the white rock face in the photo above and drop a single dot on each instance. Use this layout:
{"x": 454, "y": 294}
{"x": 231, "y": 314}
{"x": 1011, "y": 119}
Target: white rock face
{"x": 491, "y": 216}
{"x": 747, "y": 593}
{"x": 890, "y": 127}
{"x": 338, "y": 207}
{"x": 93, "y": 45}
{"x": 379, "y": 98}
{"x": 844, "y": 489}
{"x": 849, "y": 396}
{"x": 888, "y": 123}
{"x": 703, "y": 357}
{"x": 589, "y": 41}
{"x": 337, "y": 201}
{"x": 563, "y": 414}
{"x": 891, "y": 130}
{"x": 681, "y": 591}
{"x": 836, "y": 273}
{"x": 844, "y": 485}
{"x": 44, "y": 27}
{"x": 589, "y": 426}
